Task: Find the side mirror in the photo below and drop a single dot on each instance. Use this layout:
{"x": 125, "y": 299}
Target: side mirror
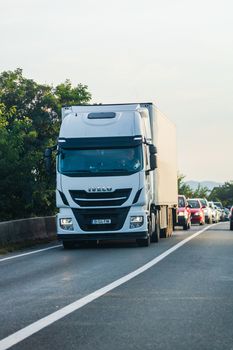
{"x": 153, "y": 161}
{"x": 152, "y": 149}
{"x": 153, "y": 157}
{"x": 48, "y": 159}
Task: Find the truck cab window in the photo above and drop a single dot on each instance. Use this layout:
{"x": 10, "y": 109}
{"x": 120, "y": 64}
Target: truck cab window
{"x": 100, "y": 162}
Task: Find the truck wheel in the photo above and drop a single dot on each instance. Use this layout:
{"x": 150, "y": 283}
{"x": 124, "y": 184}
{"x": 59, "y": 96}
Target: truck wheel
{"x": 163, "y": 233}
{"x": 231, "y": 225}
{"x": 144, "y": 242}
{"x": 155, "y": 227}
{"x": 68, "y": 244}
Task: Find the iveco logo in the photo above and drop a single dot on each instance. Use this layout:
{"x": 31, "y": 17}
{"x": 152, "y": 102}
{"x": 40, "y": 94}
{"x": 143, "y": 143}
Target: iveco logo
{"x": 99, "y": 189}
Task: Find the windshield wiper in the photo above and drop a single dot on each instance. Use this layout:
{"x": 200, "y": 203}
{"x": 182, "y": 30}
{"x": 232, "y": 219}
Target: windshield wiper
{"x": 113, "y": 170}
{"x": 75, "y": 172}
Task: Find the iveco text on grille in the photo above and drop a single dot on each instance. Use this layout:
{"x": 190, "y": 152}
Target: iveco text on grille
{"x": 100, "y": 189}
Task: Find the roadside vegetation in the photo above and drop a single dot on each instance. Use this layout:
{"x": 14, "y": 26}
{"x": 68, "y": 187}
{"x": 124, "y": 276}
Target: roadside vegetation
{"x": 29, "y": 122}
{"x": 223, "y": 194}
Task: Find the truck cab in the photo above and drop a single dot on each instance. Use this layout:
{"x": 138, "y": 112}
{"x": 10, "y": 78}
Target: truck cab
{"x": 106, "y": 162}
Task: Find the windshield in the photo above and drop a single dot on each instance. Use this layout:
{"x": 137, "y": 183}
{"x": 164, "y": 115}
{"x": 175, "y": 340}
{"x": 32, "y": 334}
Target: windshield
{"x": 100, "y": 162}
{"x": 181, "y": 202}
{"x": 218, "y": 204}
{"x": 203, "y": 202}
{"x": 194, "y": 204}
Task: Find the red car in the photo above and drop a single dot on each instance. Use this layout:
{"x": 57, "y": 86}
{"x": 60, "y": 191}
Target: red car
{"x": 183, "y": 213}
{"x": 197, "y": 212}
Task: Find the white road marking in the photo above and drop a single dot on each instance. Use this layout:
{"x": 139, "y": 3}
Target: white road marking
{"x": 29, "y": 253}
{"x": 35, "y": 327}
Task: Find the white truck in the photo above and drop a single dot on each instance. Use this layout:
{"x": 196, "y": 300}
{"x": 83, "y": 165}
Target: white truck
{"x": 116, "y": 174}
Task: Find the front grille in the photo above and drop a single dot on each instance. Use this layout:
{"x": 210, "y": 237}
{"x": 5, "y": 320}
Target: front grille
{"x": 117, "y": 216}
{"x": 100, "y": 199}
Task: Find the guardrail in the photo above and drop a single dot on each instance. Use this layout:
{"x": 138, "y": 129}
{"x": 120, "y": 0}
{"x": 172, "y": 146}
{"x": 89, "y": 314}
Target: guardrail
{"x": 27, "y": 230}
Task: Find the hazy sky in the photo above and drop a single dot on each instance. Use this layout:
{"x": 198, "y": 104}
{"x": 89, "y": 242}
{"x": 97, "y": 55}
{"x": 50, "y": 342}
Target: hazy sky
{"x": 176, "y": 53}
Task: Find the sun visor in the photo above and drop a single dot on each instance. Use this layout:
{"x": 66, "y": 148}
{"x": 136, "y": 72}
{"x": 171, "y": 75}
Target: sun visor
{"x": 100, "y": 142}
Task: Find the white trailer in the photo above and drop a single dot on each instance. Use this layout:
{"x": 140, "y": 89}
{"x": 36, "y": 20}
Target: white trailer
{"x": 165, "y": 175}
{"x": 116, "y": 174}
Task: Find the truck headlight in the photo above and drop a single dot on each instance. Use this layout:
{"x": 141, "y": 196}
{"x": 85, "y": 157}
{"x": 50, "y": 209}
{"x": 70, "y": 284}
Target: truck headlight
{"x": 136, "y": 221}
{"x": 66, "y": 224}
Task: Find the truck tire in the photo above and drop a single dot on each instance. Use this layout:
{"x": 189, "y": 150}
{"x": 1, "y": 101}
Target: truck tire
{"x": 163, "y": 233}
{"x": 143, "y": 242}
{"x": 68, "y": 244}
{"x": 155, "y": 225}
{"x": 185, "y": 226}
{"x": 231, "y": 225}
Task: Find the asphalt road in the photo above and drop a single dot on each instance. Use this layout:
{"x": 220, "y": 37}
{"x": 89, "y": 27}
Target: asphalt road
{"x": 184, "y": 301}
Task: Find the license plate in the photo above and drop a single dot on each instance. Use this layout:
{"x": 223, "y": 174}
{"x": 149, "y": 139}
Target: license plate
{"x": 101, "y": 221}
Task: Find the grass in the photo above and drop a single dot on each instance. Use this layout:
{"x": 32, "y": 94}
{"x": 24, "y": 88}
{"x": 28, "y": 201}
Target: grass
{"x": 22, "y": 245}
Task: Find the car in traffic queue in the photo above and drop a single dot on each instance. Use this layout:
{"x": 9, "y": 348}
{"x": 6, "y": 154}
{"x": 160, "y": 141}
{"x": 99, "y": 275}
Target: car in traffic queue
{"x": 231, "y": 218}
{"x": 183, "y": 213}
{"x": 215, "y": 213}
{"x": 219, "y": 213}
{"x": 220, "y": 209}
{"x": 197, "y": 213}
{"x": 207, "y": 210}
{"x": 227, "y": 213}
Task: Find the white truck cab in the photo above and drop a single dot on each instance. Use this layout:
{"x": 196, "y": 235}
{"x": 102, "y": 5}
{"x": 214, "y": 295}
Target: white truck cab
{"x": 111, "y": 182}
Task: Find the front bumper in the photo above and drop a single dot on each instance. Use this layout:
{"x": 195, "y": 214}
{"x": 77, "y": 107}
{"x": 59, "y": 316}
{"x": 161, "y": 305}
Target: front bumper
{"x": 84, "y": 229}
{"x": 113, "y": 236}
{"x": 196, "y": 219}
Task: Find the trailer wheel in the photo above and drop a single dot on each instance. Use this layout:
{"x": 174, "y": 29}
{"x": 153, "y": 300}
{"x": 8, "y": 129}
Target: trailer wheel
{"x": 163, "y": 233}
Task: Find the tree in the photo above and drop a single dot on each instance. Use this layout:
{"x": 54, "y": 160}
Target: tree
{"x": 15, "y": 172}
{"x": 183, "y": 188}
{"x": 67, "y": 95}
{"x": 30, "y": 120}
{"x": 223, "y": 194}
{"x": 201, "y": 192}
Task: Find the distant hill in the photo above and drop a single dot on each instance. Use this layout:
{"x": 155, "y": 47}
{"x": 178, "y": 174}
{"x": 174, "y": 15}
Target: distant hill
{"x": 208, "y": 184}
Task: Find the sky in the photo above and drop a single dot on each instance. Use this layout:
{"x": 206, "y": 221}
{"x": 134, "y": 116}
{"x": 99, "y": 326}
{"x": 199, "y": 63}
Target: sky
{"x": 175, "y": 53}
